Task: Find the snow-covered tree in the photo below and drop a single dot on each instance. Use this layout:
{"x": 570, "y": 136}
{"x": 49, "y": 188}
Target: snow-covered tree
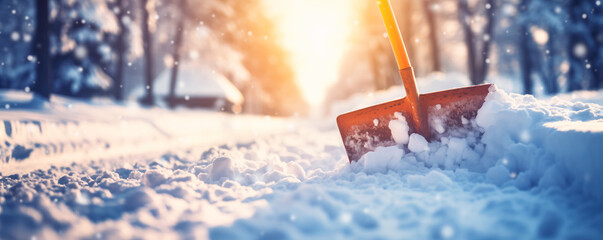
{"x": 540, "y": 45}
{"x": 17, "y": 27}
{"x": 585, "y": 44}
{"x": 553, "y": 42}
{"x": 80, "y": 48}
{"x": 477, "y": 22}
{"x": 182, "y": 23}
{"x": 75, "y": 36}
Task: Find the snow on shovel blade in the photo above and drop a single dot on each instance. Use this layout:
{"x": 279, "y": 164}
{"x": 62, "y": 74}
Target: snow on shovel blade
{"x": 366, "y": 129}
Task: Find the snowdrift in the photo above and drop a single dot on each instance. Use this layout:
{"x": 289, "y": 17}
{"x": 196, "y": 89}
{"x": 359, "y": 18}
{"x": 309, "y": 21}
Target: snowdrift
{"x": 518, "y": 141}
{"x": 527, "y": 170}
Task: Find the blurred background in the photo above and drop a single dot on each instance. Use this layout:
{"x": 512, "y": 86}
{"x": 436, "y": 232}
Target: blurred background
{"x": 289, "y": 57}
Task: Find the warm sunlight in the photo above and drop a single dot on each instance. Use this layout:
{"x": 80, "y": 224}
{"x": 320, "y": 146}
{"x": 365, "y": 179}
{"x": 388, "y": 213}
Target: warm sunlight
{"x": 289, "y": 119}
{"x": 315, "y": 33}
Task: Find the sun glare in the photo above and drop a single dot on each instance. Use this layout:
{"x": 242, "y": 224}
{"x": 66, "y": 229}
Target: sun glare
{"x": 315, "y": 33}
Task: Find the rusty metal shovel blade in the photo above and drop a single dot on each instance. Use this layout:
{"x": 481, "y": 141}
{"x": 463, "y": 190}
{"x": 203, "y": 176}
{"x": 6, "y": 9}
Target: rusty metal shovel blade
{"x": 366, "y": 129}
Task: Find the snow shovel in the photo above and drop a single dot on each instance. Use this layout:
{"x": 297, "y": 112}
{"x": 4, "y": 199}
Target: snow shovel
{"x": 429, "y": 115}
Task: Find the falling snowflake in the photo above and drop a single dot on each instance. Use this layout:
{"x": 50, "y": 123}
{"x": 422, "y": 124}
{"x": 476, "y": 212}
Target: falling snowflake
{"x": 580, "y": 50}
{"x": 15, "y": 36}
{"x": 80, "y": 52}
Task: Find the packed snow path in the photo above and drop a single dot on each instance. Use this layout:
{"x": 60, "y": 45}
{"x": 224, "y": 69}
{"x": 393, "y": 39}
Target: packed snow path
{"x": 530, "y": 172}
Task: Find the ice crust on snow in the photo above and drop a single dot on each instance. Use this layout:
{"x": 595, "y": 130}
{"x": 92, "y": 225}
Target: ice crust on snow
{"x": 529, "y": 170}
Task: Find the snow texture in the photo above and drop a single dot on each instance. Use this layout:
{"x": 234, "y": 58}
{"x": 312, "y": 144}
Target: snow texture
{"x": 528, "y": 170}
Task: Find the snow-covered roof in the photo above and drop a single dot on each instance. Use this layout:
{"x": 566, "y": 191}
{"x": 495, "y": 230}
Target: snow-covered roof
{"x": 196, "y": 81}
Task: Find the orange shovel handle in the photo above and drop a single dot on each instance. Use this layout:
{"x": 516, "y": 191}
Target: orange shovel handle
{"x": 395, "y": 38}
{"x": 406, "y": 71}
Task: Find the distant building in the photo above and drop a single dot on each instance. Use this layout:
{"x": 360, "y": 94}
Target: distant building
{"x": 197, "y": 87}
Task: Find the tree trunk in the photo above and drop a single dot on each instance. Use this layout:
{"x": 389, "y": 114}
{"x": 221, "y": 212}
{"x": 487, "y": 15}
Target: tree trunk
{"x": 464, "y": 13}
{"x": 484, "y": 62}
{"x": 597, "y": 76}
{"x": 41, "y": 49}
{"x": 597, "y": 62}
{"x": 576, "y": 71}
{"x": 433, "y": 40}
{"x": 147, "y": 43}
{"x": 551, "y": 78}
{"x": 525, "y": 64}
{"x": 118, "y": 84}
{"x": 592, "y": 58}
{"x": 176, "y": 64}
{"x": 374, "y": 62}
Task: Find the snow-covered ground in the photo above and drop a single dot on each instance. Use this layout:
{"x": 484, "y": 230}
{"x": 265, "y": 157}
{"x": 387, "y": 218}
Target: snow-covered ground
{"x": 530, "y": 171}
{"x": 36, "y": 134}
